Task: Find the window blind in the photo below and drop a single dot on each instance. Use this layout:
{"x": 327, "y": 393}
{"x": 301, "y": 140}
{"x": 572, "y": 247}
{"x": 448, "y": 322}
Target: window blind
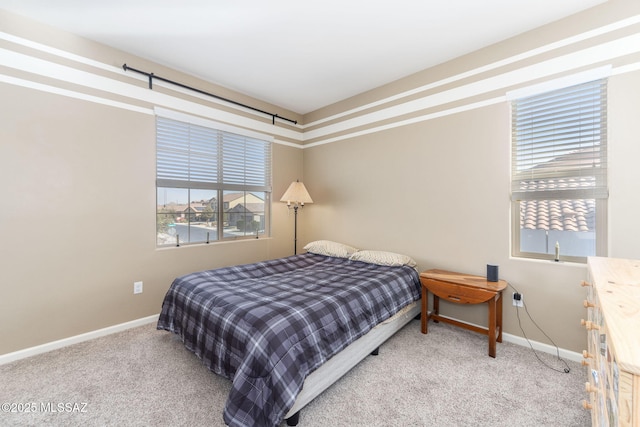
{"x": 194, "y": 156}
{"x": 559, "y": 144}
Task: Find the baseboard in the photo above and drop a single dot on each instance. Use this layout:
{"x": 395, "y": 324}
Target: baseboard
{"x": 54, "y": 345}
{"x": 545, "y": 348}
{"x": 538, "y": 346}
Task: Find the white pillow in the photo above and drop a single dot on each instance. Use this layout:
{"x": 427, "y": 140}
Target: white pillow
{"x": 329, "y": 248}
{"x": 383, "y": 258}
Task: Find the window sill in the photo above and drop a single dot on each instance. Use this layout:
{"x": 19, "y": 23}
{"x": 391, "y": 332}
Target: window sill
{"x": 212, "y": 243}
{"x": 548, "y": 262}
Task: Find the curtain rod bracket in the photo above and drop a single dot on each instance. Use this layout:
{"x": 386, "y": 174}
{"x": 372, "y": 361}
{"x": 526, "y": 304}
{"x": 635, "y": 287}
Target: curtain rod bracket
{"x": 152, "y": 76}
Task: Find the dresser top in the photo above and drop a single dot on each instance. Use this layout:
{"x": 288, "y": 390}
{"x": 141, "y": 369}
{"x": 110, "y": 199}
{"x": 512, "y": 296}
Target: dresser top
{"x": 617, "y": 284}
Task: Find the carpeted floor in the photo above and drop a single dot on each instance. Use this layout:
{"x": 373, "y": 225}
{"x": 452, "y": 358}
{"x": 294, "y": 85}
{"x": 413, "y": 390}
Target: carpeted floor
{"x": 145, "y": 377}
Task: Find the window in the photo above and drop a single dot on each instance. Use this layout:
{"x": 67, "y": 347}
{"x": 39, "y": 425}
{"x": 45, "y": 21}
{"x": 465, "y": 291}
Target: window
{"x": 212, "y": 184}
{"x": 559, "y": 173}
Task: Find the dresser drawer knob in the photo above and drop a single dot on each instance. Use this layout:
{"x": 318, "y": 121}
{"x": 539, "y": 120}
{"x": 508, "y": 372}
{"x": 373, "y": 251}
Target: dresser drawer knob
{"x": 590, "y": 388}
{"x": 588, "y": 304}
{"x": 587, "y": 355}
{"x": 584, "y": 283}
{"x": 586, "y": 405}
{"x": 589, "y": 324}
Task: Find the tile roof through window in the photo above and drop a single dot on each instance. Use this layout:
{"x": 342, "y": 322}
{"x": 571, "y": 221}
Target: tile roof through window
{"x": 559, "y": 215}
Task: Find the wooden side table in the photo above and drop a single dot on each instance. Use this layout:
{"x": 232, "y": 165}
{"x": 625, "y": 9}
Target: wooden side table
{"x": 463, "y": 288}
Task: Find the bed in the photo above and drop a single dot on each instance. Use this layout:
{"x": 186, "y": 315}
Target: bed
{"x": 284, "y": 330}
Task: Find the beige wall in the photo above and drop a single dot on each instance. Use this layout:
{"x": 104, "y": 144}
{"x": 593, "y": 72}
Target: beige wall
{"x": 419, "y": 166}
{"x": 427, "y": 172}
{"x": 77, "y": 195}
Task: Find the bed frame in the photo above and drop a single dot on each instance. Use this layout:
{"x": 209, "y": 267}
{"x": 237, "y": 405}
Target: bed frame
{"x": 336, "y": 367}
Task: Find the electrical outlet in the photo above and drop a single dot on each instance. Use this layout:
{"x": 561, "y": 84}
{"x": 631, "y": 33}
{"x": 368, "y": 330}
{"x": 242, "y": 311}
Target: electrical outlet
{"x": 518, "y": 300}
{"x": 137, "y": 287}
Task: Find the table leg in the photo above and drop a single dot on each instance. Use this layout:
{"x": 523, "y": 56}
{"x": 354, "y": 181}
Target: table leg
{"x": 492, "y": 326}
{"x": 499, "y": 319}
{"x": 436, "y": 307}
{"x": 423, "y": 316}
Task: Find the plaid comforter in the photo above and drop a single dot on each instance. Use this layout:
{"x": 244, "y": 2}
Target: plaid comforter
{"x": 266, "y": 326}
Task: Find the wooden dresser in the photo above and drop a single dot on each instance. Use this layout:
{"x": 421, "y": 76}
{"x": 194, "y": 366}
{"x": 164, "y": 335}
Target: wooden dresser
{"x": 613, "y": 331}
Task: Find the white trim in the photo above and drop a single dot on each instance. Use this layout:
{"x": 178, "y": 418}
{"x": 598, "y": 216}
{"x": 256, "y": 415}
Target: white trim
{"x": 546, "y": 69}
{"x": 78, "y": 95}
{"x": 623, "y": 69}
{"x": 538, "y": 346}
{"x": 54, "y": 345}
{"x": 57, "y": 52}
{"x": 525, "y": 55}
{"x": 413, "y": 120}
{"x": 104, "y": 101}
{"x": 560, "y": 83}
{"x": 67, "y": 74}
{"x": 626, "y": 22}
{"x": 72, "y": 94}
{"x": 288, "y": 144}
{"x": 600, "y": 53}
{"x": 550, "y": 262}
{"x": 613, "y": 71}
{"x": 117, "y": 70}
{"x": 545, "y": 348}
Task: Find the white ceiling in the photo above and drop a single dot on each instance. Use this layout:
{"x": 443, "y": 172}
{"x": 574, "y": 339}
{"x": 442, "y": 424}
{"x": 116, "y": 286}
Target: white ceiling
{"x": 299, "y": 55}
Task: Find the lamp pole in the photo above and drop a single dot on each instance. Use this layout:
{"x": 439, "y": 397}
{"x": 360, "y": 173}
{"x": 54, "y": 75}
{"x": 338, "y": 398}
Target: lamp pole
{"x": 296, "y": 195}
{"x": 295, "y": 229}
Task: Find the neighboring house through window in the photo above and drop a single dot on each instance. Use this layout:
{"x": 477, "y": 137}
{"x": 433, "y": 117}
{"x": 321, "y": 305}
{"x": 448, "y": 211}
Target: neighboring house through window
{"x": 213, "y": 181}
{"x": 559, "y": 173}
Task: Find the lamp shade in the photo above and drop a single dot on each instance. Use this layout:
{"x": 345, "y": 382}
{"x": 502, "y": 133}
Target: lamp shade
{"x": 296, "y": 193}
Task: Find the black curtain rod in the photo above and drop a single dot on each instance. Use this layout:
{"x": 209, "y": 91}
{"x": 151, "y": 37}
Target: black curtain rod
{"x": 152, "y": 76}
